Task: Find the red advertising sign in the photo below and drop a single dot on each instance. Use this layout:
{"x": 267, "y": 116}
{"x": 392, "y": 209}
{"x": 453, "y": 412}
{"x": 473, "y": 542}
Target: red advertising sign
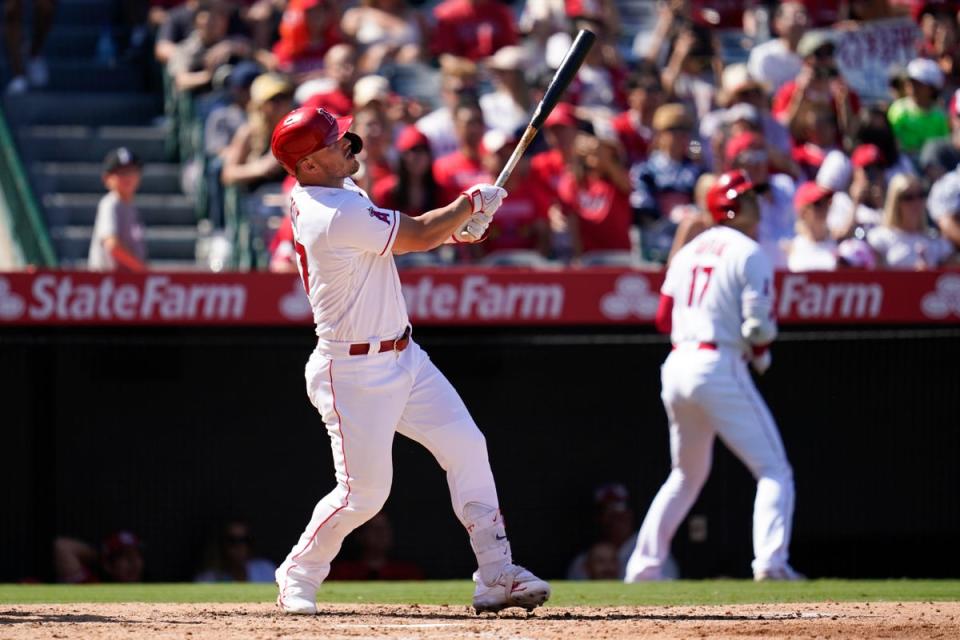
{"x": 462, "y": 296}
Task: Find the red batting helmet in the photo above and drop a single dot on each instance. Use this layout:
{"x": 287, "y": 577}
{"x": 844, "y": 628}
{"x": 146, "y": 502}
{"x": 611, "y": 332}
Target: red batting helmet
{"x": 305, "y": 130}
{"x": 723, "y": 198}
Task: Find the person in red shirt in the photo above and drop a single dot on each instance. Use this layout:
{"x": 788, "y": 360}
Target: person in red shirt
{"x": 472, "y": 29}
{"x": 596, "y": 190}
{"x": 371, "y": 124}
{"x": 820, "y": 83}
{"x": 634, "y": 126}
{"x": 412, "y": 189}
{"x": 335, "y": 92}
{"x": 560, "y": 131}
{"x": 308, "y": 29}
{"x": 374, "y": 561}
{"x": 456, "y": 171}
{"x": 521, "y": 221}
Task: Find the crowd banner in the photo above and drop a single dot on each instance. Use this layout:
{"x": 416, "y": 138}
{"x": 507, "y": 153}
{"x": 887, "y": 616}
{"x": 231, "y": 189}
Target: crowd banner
{"x": 459, "y": 297}
{"x": 868, "y": 55}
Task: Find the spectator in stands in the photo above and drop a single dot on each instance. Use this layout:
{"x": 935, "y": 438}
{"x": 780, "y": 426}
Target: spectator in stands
{"x": 693, "y": 68}
{"x": 412, "y": 189}
{"x": 459, "y": 170}
{"x": 776, "y": 61}
{"x": 472, "y": 29}
{"x": 333, "y": 91}
{"x": 230, "y": 558}
{"x": 664, "y": 181}
{"x": 938, "y": 158}
{"x": 698, "y": 220}
{"x": 859, "y": 207}
{"x": 944, "y": 206}
{"x": 385, "y": 31}
{"x": 34, "y": 73}
{"x": 175, "y": 25}
{"x": 223, "y": 121}
{"x": 595, "y": 190}
{"x": 614, "y": 525}
{"x": 548, "y": 167}
{"x": 118, "y": 237}
{"x": 601, "y": 563}
{"x": 523, "y": 222}
{"x": 917, "y": 118}
{"x": 814, "y": 134}
{"x": 813, "y": 248}
{"x": 120, "y": 559}
{"x": 458, "y": 78}
{"x": 371, "y": 124}
{"x": 308, "y": 29}
{"x": 374, "y": 560}
{"x": 282, "y": 248}
{"x": 873, "y": 127}
{"x": 508, "y": 107}
{"x": 248, "y": 160}
{"x": 195, "y": 59}
{"x": 600, "y": 84}
{"x": 903, "y": 240}
{"x": 775, "y": 191}
{"x": 635, "y": 125}
{"x": 818, "y": 83}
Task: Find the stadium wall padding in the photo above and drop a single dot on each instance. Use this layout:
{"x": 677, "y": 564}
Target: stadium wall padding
{"x": 170, "y": 432}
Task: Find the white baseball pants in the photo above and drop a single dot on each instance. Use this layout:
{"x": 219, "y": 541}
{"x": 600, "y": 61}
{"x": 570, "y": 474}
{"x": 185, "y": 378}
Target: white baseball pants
{"x": 708, "y": 393}
{"x": 364, "y": 400}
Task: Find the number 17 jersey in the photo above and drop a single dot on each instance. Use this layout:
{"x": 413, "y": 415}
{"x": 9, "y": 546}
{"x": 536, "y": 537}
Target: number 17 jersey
{"x": 714, "y": 281}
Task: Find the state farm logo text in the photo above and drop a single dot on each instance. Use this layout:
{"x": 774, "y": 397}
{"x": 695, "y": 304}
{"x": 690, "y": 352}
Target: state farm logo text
{"x": 476, "y": 297}
{"x": 59, "y": 297}
{"x": 801, "y": 299}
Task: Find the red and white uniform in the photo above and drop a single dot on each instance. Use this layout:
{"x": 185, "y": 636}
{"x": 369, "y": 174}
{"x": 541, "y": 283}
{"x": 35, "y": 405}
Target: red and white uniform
{"x": 344, "y": 245}
{"x": 714, "y": 284}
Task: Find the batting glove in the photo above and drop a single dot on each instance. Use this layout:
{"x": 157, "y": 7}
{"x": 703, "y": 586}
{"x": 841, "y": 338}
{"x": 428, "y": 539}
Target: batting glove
{"x": 761, "y": 360}
{"x": 485, "y": 197}
{"x": 474, "y": 229}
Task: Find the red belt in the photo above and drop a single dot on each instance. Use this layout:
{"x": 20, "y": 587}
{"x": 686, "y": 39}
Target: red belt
{"x": 363, "y": 348}
{"x": 703, "y": 346}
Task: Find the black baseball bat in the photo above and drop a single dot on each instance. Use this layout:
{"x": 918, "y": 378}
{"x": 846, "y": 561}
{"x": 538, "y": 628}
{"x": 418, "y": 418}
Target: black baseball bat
{"x": 561, "y": 80}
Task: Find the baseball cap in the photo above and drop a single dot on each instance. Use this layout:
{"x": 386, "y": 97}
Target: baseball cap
{"x": 939, "y": 154}
{"x": 836, "y": 171}
{"x": 925, "y": 71}
{"x": 120, "y": 158}
{"x": 410, "y": 138}
{"x": 866, "y": 155}
{"x": 118, "y": 541}
{"x": 508, "y": 58}
{"x": 243, "y": 74}
{"x": 736, "y": 77}
{"x": 370, "y": 88}
{"x": 582, "y": 8}
{"x": 740, "y": 143}
{"x": 811, "y": 41}
{"x": 671, "y": 116}
{"x": 268, "y": 86}
{"x": 561, "y": 116}
{"x": 808, "y": 193}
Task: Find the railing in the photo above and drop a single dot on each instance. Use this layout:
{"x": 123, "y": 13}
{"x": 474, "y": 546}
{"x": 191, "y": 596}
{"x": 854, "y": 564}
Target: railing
{"x": 29, "y": 229}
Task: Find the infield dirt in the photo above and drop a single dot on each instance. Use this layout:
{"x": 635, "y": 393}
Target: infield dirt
{"x": 353, "y": 622}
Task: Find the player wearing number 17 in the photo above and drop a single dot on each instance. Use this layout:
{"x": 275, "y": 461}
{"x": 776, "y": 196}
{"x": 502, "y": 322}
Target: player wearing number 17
{"x": 716, "y": 304}
{"x": 367, "y": 377}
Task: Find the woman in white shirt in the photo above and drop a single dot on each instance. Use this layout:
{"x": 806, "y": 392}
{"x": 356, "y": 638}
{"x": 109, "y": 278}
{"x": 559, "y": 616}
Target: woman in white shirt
{"x": 903, "y": 240}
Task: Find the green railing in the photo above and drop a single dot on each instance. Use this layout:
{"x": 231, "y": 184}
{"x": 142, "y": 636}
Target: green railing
{"x": 29, "y": 228}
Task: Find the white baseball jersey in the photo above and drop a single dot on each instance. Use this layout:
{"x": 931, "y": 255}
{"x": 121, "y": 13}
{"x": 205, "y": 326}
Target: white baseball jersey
{"x": 344, "y": 254}
{"x": 715, "y": 281}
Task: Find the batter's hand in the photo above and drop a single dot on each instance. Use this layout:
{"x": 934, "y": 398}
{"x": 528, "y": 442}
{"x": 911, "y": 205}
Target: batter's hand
{"x": 474, "y": 229}
{"x": 762, "y": 362}
{"x": 485, "y": 197}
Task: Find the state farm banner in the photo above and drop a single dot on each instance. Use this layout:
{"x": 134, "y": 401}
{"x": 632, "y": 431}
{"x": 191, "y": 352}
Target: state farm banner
{"x": 462, "y": 296}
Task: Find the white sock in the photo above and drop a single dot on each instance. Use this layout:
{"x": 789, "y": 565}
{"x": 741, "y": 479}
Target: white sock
{"x": 488, "y": 537}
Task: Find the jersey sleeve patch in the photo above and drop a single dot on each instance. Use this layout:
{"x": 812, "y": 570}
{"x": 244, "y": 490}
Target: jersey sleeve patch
{"x": 358, "y": 224}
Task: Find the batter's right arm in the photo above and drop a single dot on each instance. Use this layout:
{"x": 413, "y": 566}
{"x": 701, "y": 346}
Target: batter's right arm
{"x": 433, "y": 228}
{"x": 759, "y": 326}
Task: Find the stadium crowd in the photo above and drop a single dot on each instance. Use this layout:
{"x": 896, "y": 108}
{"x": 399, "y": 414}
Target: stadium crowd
{"x": 441, "y": 92}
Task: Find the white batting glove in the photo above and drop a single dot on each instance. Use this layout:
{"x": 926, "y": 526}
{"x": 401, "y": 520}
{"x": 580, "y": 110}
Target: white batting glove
{"x": 474, "y": 229}
{"x": 485, "y": 197}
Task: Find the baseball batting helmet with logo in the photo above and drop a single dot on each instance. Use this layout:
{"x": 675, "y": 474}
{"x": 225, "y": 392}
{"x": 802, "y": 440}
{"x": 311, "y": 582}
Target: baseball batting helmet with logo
{"x": 308, "y": 129}
{"x": 723, "y": 198}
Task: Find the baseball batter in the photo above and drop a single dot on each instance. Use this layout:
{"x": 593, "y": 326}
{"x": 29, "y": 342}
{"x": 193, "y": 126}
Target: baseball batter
{"x": 717, "y": 304}
{"x": 367, "y": 377}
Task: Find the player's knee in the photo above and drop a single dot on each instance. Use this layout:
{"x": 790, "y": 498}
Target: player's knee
{"x": 368, "y": 502}
{"x": 689, "y": 478}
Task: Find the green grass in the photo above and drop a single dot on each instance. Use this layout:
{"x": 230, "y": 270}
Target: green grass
{"x": 682, "y": 592}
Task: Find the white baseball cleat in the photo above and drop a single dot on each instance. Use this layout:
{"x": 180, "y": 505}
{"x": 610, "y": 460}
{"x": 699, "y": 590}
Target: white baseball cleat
{"x": 516, "y": 587}
{"x": 781, "y": 573}
{"x": 298, "y": 599}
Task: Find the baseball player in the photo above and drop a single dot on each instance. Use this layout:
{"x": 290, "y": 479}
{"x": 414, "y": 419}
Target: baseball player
{"x": 717, "y": 304}
{"x": 367, "y": 377}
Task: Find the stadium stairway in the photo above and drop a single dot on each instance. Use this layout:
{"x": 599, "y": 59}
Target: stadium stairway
{"x": 92, "y": 105}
